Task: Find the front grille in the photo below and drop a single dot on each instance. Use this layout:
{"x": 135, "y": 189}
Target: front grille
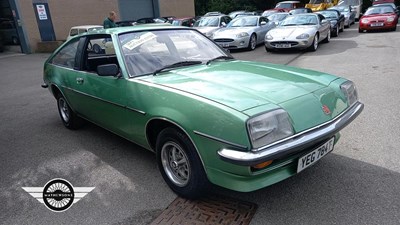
{"x": 284, "y": 42}
{"x": 223, "y": 40}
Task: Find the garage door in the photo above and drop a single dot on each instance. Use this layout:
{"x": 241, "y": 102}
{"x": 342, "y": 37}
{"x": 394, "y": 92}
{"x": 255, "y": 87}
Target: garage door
{"x": 135, "y": 9}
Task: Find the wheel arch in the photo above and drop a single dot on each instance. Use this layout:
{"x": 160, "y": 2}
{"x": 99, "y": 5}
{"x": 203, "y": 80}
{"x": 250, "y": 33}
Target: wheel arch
{"x": 157, "y": 124}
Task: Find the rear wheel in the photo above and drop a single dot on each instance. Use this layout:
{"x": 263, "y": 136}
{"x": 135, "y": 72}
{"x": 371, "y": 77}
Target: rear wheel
{"x": 252, "y": 42}
{"x": 336, "y": 32}
{"x": 68, "y": 117}
{"x": 179, "y": 164}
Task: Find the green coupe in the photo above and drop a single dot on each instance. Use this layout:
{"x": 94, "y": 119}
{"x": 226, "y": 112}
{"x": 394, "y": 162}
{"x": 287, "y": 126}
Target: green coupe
{"x": 208, "y": 117}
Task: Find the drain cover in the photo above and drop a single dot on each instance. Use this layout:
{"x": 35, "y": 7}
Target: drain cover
{"x": 210, "y": 210}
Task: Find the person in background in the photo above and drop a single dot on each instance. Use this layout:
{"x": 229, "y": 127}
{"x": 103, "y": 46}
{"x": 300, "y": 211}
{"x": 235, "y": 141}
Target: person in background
{"x": 109, "y": 22}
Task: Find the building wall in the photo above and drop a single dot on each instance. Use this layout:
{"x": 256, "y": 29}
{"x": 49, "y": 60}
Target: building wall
{"x": 178, "y": 8}
{"x": 65, "y": 14}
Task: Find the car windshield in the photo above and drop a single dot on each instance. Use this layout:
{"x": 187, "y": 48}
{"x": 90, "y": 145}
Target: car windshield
{"x": 268, "y": 13}
{"x": 329, "y": 14}
{"x": 316, "y": 1}
{"x": 211, "y": 21}
{"x": 284, "y": 5}
{"x": 379, "y": 10}
{"x": 244, "y": 22}
{"x": 349, "y": 2}
{"x": 299, "y": 20}
{"x": 277, "y": 16}
{"x": 145, "y": 52}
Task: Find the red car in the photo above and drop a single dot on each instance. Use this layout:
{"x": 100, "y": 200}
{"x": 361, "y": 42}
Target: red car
{"x": 378, "y": 18}
{"x": 289, "y": 5}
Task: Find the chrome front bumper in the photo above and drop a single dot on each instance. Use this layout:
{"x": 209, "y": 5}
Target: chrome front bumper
{"x": 295, "y": 143}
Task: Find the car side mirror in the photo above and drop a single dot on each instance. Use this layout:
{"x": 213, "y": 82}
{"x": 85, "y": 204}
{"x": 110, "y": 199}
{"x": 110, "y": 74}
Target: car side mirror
{"x": 223, "y": 24}
{"x": 108, "y": 70}
{"x": 263, "y": 23}
{"x": 324, "y": 21}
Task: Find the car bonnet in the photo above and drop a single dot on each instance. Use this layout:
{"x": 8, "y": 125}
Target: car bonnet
{"x": 242, "y": 85}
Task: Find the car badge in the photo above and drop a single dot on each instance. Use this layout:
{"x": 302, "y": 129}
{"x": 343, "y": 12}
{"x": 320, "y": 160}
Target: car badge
{"x": 326, "y": 110}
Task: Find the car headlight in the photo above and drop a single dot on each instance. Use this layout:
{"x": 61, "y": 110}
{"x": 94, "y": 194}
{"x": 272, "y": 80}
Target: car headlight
{"x": 243, "y": 34}
{"x": 349, "y": 90}
{"x": 303, "y": 36}
{"x": 364, "y": 21}
{"x": 269, "y": 127}
{"x": 390, "y": 19}
{"x": 268, "y": 37}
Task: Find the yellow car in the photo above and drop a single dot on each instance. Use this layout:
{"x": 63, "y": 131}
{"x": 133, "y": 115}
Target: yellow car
{"x": 318, "y": 5}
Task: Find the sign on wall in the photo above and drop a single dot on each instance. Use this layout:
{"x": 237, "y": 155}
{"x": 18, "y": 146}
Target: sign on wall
{"x": 41, "y": 10}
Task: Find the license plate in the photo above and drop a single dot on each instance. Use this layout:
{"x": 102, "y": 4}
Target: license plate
{"x": 283, "y": 45}
{"x": 377, "y": 24}
{"x": 224, "y": 45}
{"x": 312, "y": 157}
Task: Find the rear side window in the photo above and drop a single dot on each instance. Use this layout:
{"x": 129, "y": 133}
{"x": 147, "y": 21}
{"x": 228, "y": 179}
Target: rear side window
{"x": 66, "y": 56}
{"x": 73, "y": 32}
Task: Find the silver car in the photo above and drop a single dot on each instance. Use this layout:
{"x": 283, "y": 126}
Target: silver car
{"x": 243, "y": 32}
{"x": 209, "y": 24}
{"x": 349, "y": 14}
{"x": 299, "y": 31}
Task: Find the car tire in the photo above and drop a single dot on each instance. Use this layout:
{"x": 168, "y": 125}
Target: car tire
{"x": 268, "y": 49}
{"x": 314, "y": 45}
{"x": 360, "y": 30}
{"x": 96, "y": 48}
{"x": 341, "y": 27}
{"x": 328, "y": 37}
{"x": 336, "y": 34}
{"x": 180, "y": 165}
{"x": 68, "y": 117}
{"x": 252, "y": 42}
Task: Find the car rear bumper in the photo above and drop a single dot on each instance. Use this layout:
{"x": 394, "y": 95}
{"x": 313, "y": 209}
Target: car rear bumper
{"x": 294, "y": 144}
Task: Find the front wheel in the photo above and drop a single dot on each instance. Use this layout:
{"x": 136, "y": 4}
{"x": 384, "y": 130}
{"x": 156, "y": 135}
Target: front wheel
{"x": 314, "y": 45}
{"x": 180, "y": 164}
{"x": 68, "y": 117}
{"x": 252, "y": 42}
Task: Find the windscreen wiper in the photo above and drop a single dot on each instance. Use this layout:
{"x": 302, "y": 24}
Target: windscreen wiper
{"x": 177, "y": 64}
{"x": 219, "y": 57}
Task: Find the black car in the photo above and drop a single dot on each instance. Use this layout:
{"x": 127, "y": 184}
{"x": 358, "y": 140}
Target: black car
{"x": 336, "y": 19}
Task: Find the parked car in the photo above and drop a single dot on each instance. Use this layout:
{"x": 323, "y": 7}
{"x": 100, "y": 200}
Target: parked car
{"x": 278, "y": 17}
{"x": 76, "y": 30}
{"x": 208, "y": 117}
{"x": 396, "y": 8}
{"x": 8, "y": 31}
{"x": 300, "y": 11}
{"x": 289, "y": 5}
{"x": 97, "y": 46}
{"x": 215, "y": 13}
{"x": 234, "y": 13}
{"x": 186, "y": 21}
{"x": 243, "y": 32}
{"x": 300, "y": 31}
{"x": 150, "y": 20}
{"x": 318, "y": 5}
{"x": 347, "y": 12}
{"x": 378, "y": 18}
{"x": 125, "y": 23}
{"x": 269, "y": 12}
{"x": 335, "y": 18}
{"x": 209, "y": 24}
{"x": 356, "y": 6}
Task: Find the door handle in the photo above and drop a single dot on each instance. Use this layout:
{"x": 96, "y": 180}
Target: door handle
{"x": 79, "y": 80}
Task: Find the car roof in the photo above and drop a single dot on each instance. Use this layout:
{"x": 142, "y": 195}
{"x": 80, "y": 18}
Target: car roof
{"x": 289, "y": 2}
{"x": 142, "y": 27}
{"x": 85, "y": 26}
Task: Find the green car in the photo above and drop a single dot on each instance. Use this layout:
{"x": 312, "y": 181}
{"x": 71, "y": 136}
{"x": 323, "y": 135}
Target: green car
{"x": 209, "y": 118}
